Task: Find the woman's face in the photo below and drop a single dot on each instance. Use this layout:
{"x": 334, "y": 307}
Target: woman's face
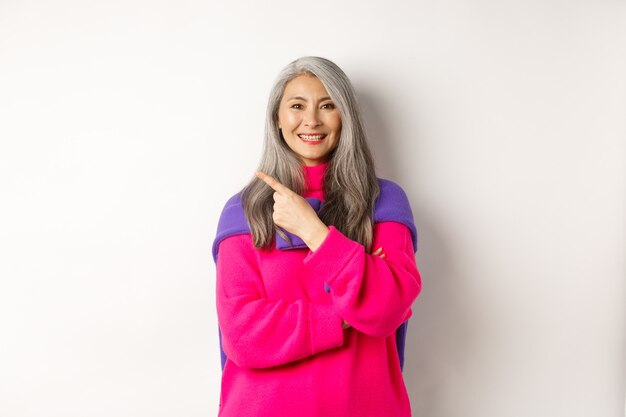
{"x": 309, "y": 120}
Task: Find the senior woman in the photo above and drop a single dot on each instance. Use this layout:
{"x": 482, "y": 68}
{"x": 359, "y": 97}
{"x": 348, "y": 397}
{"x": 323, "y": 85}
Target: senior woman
{"x": 312, "y": 321}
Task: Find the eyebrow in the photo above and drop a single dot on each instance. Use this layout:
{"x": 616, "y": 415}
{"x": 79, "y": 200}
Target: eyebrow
{"x": 304, "y": 99}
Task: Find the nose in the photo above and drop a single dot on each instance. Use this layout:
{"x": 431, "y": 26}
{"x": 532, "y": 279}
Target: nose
{"x": 312, "y": 118}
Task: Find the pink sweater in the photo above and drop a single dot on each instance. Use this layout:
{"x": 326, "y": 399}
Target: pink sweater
{"x": 282, "y": 332}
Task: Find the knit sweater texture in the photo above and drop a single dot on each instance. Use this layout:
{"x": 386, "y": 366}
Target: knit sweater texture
{"x": 287, "y": 354}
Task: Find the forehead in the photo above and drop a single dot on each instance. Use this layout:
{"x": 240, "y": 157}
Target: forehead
{"x": 305, "y": 86}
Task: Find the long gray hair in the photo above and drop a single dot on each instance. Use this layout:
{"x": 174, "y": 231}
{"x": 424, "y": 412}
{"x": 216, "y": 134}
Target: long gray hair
{"x": 350, "y": 186}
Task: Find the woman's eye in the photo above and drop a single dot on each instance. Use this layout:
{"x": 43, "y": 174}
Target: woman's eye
{"x": 296, "y": 106}
{"x": 328, "y": 106}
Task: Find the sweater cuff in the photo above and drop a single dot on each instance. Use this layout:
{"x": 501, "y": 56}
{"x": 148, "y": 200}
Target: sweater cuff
{"x": 335, "y": 252}
{"x": 326, "y": 328}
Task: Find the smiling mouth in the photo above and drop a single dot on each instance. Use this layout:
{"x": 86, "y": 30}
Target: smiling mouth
{"x": 312, "y": 138}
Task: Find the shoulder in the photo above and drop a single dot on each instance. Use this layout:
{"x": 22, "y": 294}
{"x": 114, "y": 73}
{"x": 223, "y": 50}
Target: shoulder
{"x": 232, "y": 214}
{"x": 391, "y": 190}
{"x": 392, "y": 199}
{"x": 393, "y": 204}
{"x": 232, "y": 204}
{"x": 232, "y": 221}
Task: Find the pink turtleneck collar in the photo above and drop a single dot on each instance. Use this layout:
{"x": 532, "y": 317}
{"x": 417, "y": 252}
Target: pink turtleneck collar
{"x": 314, "y": 180}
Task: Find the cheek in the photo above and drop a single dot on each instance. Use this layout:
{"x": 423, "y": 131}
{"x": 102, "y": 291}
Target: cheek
{"x": 336, "y": 122}
{"x": 287, "y": 120}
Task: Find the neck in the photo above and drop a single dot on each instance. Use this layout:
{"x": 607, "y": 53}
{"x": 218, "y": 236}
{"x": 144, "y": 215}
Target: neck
{"x": 314, "y": 180}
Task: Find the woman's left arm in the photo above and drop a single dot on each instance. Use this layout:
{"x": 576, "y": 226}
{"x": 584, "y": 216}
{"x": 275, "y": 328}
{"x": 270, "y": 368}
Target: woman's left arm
{"x": 373, "y": 294}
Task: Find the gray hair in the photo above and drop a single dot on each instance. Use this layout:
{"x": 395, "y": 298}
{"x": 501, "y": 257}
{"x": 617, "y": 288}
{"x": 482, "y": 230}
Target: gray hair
{"x": 350, "y": 185}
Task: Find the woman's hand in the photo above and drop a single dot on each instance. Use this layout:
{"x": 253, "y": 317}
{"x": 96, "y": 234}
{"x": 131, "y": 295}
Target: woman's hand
{"x": 294, "y": 214}
{"x": 378, "y": 252}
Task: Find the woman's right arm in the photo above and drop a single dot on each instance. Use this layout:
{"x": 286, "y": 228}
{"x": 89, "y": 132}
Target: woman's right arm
{"x": 261, "y": 333}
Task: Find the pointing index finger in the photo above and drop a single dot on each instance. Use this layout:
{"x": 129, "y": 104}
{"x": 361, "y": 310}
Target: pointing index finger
{"x": 273, "y": 182}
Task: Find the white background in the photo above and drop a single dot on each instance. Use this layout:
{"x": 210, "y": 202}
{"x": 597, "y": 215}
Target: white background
{"x": 125, "y": 126}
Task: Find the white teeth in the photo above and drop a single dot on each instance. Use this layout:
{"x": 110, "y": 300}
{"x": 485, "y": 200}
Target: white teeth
{"x": 311, "y": 137}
